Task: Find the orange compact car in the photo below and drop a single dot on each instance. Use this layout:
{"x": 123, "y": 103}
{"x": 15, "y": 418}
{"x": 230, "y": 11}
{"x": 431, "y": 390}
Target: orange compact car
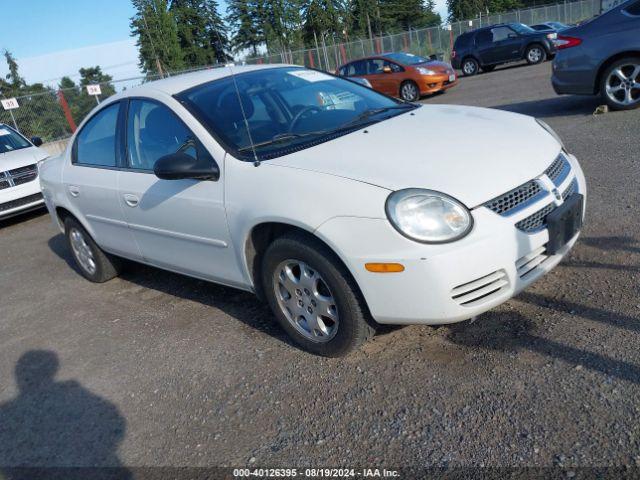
{"x": 402, "y": 75}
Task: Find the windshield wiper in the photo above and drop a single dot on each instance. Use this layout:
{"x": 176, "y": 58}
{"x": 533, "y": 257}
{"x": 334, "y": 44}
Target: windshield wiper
{"x": 370, "y": 113}
{"x": 281, "y": 137}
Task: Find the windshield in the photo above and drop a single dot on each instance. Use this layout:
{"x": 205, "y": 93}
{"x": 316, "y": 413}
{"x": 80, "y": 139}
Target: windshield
{"x": 11, "y": 140}
{"x": 521, "y": 28}
{"x": 286, "y": 109}
{"x": 406, "y": 58}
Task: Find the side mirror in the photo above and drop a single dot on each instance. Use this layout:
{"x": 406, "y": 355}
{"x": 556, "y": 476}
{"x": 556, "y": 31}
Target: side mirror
{"x": 387, "y": 69}
{"x": 37, "y": 141}
{"x": 179, "y": 166}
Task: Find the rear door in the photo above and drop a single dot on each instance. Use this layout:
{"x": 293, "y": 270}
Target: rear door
{"x": 91, "y": 182}
{"x": 179, "y": 225}
{"x": 485, "y": 47}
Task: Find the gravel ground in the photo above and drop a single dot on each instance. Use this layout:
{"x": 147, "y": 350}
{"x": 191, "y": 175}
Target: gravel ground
{"x": 159, "y": 369}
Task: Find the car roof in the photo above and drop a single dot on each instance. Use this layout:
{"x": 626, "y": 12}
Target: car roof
{"x": 179, "y": 83}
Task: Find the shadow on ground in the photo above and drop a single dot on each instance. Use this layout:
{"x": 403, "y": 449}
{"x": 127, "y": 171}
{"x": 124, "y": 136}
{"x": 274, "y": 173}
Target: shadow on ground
{"x": 241, "y": 305}
{"x": 53, "y": 425}
{"x": 561, "y": 106}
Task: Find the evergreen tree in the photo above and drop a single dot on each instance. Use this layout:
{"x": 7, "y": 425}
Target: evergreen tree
{"x": 367, "y": 18}
{"x": 399, "y": 15}
{"x": 216, "y": 32}
{"x": 158, "y": 44}
{"x": 468, "y": 9}
{"x": 244, "y": 18}
{"x": 320, "y": 16}
{"x": 16, "y": 82}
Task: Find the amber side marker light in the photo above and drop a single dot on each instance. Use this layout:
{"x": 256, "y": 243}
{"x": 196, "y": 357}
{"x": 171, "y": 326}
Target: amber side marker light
{"x": 384, "y": 267}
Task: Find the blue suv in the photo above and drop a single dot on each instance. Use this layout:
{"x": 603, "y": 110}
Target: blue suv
{"x": 602, "y": 57}
{"x": 487, "y": 47}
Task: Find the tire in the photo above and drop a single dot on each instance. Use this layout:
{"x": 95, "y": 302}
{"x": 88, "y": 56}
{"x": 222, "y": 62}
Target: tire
{"x": 94, "y": 264}
{"x": 488, "y": 68}
{"x": 409, "y": 91}
{"x": 348, "y": 324}
{"x": 470, "y": 67}
{"x": 619, "y": 93}
{"x": 535, "y": 54}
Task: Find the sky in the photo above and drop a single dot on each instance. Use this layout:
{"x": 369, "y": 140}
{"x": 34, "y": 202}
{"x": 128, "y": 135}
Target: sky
{"x": 54, "y": 38}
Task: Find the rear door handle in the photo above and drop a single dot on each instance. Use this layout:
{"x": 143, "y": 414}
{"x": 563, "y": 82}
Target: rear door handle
{"x": 131, "y": 200}
{"x": 74, "y": 191}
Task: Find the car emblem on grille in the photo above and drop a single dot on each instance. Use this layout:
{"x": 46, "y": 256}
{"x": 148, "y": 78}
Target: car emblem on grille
{"x": 547, "y": 184}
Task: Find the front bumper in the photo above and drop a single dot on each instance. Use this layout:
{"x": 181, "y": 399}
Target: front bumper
{"x": 436, "y": 83}
{"x": 450, "y": 282}
{"x": 20, "y": 199}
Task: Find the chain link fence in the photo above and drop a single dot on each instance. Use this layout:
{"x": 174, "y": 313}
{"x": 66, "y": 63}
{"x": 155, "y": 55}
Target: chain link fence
{"x": 54, "y": 114}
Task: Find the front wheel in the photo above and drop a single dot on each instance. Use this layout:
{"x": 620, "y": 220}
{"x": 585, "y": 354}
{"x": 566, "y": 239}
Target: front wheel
{"x": 535, "y": 54}
{"x": 620, "y": 84}
{"x": 409, "y": 91}
{"x": 314, "y": 297}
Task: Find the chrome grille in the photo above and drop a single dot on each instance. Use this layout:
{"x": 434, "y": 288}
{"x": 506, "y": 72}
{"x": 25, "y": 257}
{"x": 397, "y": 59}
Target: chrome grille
{"x": 558, "y": 170}
{"x": 571, "y": 189}
{"x": 18, "y": 176}
{"x": 537, "y": 221}
{"x": 517, "y": 198}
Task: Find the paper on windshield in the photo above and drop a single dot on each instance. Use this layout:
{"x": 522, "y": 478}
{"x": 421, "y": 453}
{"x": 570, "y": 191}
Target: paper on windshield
{"x": 4, "y": 131}
{"x": 310, "y": 75}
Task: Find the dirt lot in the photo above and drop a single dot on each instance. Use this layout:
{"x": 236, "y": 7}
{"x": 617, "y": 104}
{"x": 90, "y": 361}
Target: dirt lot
{"x": 159, "y": 369}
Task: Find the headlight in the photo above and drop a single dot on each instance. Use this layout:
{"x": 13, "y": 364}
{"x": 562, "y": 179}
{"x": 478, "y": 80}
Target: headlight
{"x": 426, "y": 71}
{"x": 427, "y": 216}
{"x": 551, "y": 132}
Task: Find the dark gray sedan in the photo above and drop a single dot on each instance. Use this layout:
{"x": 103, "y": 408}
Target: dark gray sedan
{"x": 602, "y": 57}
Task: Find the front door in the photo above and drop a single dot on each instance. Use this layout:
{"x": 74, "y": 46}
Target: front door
{"x": 506, "y": 44}
{"x": 380, "y": 81}
{"x": 179, "y": 225}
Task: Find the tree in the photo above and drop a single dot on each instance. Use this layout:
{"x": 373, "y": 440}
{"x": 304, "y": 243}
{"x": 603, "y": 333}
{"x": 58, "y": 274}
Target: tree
{"x": 216, "y": 32}
{"x": 405, "y": 14}
{"x": 156, "y": 30}
{"x": 16, "y": 82}
{"x": 244, "y": 18}
{"x": 367, "y": 19}
{"x": 320, "y": 16}
{"x": 467, "y": 9}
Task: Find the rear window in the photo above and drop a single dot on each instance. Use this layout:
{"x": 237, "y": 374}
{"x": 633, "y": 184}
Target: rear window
{"x": 463, "y": 40}
{"x": 633, "y": 9}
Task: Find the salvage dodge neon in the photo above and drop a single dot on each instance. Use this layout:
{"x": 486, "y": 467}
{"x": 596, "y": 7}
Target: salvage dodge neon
{"x": 342, "y": 207}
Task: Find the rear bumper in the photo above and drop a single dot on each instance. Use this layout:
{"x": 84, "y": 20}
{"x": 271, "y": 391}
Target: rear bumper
{"x": 571, "y": 76}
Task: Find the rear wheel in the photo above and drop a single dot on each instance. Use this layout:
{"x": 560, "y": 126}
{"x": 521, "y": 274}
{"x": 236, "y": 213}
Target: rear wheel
{"x": 314, "y": 297}
{"x": 620, "y": 85}
{"x": 535, "y": 54}
{"x": 409, "y": 91}
{"x": 94, "y": 264}
{"x": 470, "y": 67}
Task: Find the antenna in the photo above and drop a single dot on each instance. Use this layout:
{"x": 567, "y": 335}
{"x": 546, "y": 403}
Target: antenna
{"x": 256, "y": 161}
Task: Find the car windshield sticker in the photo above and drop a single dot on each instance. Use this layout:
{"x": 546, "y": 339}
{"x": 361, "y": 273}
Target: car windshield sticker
{"x": 4, "y": 131}
{"x": 310, "y": 75}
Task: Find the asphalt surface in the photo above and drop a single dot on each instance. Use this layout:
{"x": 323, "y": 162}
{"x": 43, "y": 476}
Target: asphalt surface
{"x": 160, "y": 369}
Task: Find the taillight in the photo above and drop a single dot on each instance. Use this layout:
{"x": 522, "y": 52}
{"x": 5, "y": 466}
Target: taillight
{"x": 563, "y": 42}
{"x": 453, "y": 54}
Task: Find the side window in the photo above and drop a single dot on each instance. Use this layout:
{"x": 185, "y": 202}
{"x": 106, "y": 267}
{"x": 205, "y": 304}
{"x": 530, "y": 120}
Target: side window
{"x": 395, "y": 68}
{"x": 375, "y": 66}
{"x": 358, "y": 68}
{"x": 484, "y": 37}
{"x": 633, "y": 9}
{"x": 501, "y": 33}
{"x": 154, "y": 131}
{"x": 96, "y": 142}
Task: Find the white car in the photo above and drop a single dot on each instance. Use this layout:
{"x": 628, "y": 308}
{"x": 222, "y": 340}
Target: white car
{"x": 342, "y": 215}
{"x": 19, "y": 192}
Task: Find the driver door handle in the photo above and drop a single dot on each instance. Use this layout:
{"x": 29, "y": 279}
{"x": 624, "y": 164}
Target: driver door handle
{"x": 74, "y": 191}
{"x": 131, "y": 200}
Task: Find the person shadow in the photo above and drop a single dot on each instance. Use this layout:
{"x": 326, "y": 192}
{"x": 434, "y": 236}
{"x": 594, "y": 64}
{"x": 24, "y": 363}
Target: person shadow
{"x": 57, "y": 429}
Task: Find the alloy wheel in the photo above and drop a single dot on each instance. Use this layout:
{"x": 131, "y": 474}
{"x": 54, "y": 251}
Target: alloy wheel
{"x": 82, "y": 251}
{"x": 534, "y": 55}
{"x": 469, "y": 68}
{"x": 306, "y": 300}
{"x": 409, "y": 92}
{"x": 623, "y": 85}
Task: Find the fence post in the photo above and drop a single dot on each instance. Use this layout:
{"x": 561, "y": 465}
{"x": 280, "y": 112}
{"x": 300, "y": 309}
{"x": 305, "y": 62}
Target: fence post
{"x": 67, "y": 111}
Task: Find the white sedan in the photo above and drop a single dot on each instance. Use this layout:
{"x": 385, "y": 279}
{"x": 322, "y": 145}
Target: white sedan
{"x": 19, "y": 192}
{"x": 342, "y": 207}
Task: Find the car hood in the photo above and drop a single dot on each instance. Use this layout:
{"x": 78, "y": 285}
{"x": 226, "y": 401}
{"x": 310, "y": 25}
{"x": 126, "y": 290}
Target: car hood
{"x": 473, "y": 154}
{"x": 21, "y": 158}
{"x": 436, "y": 65}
